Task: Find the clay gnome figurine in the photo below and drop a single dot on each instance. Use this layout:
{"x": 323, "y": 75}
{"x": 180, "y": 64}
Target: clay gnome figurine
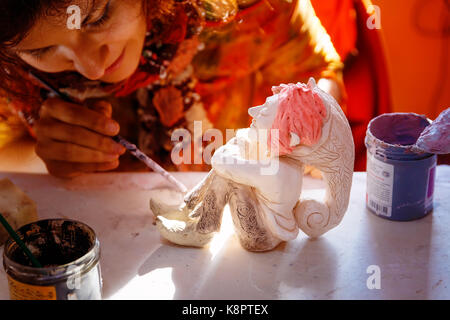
{"x": 259, "y": 174}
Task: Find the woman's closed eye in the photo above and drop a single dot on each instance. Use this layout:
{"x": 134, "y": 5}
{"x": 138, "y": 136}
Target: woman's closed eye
{"x": 39, "y": 53}
{"x": 104, "y": 17}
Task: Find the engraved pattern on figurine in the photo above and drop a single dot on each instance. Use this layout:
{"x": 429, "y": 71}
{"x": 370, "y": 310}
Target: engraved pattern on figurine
{"x": 174, "y": 221}
{"x": 248, "y": 220}
{"x": 335, "y": 158}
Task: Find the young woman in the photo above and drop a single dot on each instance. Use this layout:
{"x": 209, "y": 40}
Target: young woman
{"x": 145, "y": 68}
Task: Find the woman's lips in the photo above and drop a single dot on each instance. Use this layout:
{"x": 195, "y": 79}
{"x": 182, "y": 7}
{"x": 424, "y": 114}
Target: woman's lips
{"x": 116, "y": 65}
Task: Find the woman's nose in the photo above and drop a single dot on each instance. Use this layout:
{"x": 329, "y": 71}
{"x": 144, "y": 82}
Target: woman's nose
{"x": 90, "y": 62}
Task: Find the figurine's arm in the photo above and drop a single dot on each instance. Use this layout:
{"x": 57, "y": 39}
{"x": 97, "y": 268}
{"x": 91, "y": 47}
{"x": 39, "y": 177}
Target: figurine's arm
{"x": 270, "y": 179}
{"x": 228, "y": 162}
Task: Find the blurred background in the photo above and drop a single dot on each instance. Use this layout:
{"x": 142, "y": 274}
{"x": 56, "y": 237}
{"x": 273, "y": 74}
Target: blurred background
{"x": 400, "y": 65}
{"x": 416, "y": 38}
{"x": 396, "y": 55}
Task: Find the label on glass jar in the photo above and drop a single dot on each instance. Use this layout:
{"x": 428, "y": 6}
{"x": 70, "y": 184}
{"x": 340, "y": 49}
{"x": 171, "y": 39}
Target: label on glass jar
{"x": 23, "y": 291}
{"x": 380, "y": 185}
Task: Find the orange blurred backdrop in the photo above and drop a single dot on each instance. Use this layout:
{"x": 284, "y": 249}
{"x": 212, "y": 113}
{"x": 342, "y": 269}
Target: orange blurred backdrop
{"x": 416, "y": 37}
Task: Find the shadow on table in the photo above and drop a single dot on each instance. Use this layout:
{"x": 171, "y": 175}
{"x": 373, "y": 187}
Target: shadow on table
{"x": 300, "y": 269}
{"x": 127, "y": 242}
{"x": 402, "y": 251}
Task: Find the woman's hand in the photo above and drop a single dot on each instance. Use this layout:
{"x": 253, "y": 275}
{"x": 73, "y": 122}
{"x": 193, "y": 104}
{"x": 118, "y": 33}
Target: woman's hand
{"x": 73, "y": 139}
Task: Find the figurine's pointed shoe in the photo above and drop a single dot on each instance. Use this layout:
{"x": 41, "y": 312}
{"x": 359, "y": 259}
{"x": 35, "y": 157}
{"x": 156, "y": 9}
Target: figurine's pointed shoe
{"x": 175, "y": 225}
{"x": 160, "y": 208}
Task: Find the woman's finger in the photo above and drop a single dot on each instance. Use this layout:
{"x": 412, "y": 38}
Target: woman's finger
{"x": 79, "y": 115}
{"x": 60, "y": 151}
{"x": 64, "y": 169}
{"x": 101, "y": 106}
{"x": 56, "y": 130}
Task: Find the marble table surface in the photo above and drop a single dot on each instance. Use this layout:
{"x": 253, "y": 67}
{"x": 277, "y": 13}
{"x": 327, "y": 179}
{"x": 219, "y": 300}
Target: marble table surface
{"x": 413, "y": 257}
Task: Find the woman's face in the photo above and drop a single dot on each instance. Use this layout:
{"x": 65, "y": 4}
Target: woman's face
{"x": 107, "y": 47}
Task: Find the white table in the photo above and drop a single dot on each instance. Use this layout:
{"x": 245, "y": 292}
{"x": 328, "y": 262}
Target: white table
{"x": 413, "y": 257}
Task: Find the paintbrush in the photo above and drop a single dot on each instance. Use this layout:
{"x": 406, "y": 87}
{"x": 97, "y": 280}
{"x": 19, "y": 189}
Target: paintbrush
{"x": 128, "y": 145}
{"x": 17, "y": 239}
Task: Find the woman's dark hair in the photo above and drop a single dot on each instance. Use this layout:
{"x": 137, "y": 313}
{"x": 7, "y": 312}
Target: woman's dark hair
{"x": 17, "y": 17}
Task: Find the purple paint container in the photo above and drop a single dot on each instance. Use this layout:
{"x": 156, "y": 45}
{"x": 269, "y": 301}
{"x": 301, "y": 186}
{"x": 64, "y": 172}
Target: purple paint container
{"x": 400, "y": 181}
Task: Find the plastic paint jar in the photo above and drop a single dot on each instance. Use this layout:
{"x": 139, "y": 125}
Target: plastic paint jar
{"x": 69, "y": 252}
{"x": 400, "y": 182}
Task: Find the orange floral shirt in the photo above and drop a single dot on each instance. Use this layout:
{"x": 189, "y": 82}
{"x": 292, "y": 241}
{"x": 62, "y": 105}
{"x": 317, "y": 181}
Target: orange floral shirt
{"x": 266, "y": 43}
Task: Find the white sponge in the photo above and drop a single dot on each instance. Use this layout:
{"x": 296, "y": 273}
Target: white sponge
{"x": 16, "y": 207}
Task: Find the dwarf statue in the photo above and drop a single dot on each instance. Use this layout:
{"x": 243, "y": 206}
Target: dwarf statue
{"x": 259, "y": 174}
